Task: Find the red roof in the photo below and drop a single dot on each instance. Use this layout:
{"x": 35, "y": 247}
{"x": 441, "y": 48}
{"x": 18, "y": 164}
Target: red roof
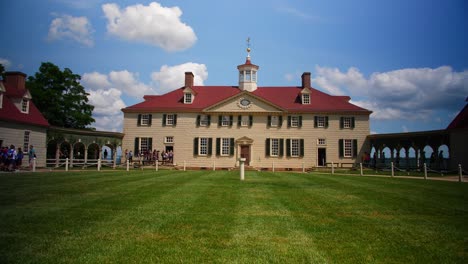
{"x": 9, "y": 112}
{"x": 461, "y": 120}
{"x": 286, "y": 98}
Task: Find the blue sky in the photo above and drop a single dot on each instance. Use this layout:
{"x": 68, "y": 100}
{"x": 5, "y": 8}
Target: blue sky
{"x": 406, "y": 61}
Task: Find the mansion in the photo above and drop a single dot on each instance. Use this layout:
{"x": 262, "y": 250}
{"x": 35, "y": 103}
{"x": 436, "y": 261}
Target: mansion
{"x": 287, "y": 127}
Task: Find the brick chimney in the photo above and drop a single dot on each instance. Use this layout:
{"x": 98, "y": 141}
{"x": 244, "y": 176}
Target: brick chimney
{"x": 189, "y": 79}
{"x": 306, "y": 80}
{"x": 15, "y": 79}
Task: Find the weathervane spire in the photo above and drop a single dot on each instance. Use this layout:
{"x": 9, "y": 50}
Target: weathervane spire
{"x": 248, "y": 49}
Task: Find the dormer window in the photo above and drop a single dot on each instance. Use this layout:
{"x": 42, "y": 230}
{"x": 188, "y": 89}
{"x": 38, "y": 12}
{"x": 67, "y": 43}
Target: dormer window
{"x": 188, "y": 98}
{"x": 25, "y": 106}
{"x": 305, "y": 98}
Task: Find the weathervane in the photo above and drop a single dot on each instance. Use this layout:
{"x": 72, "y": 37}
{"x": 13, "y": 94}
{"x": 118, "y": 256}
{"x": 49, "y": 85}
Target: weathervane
{"x": 248, "y": 47}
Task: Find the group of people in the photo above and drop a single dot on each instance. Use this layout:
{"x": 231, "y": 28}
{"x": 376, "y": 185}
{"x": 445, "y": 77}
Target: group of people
{"x": 166, "y": 157}
{"x": 11, "y": 159}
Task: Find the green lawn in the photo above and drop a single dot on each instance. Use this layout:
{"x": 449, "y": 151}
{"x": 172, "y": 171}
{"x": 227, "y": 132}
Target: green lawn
{"x": 206, "y": 216}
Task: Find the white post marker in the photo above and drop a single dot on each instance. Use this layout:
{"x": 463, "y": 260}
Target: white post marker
{"x": 273, "y": 167}
{"x": 303, "y": 167}
{"x": 128, "y": 165}
{"x": 66, "y": 164}
{"x": 425, "y": 171}
{"x": 34, "y": 165}
{"x": 393, "y": 171}
{"x": 214, "y": 165}
{"x": 184, "y": 165}
{"x": 99, "y": 164}
{"x": 156, "y": 165}
{"x": 242, "y": 168}
{"x": 460, "y": 173}
{"x": 333, "y": 168}
{"x": 360, "y": 166}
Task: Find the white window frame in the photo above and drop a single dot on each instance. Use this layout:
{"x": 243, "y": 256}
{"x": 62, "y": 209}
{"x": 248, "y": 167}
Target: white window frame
{"x": 144, "y": 120}
{"x": 169, "y": 139}
{"x": 295, "y": 148}
{"x": 225, "y": 120}
{"x": 26, "y": 140}
{"x": 306, "y": 98}
{"x": 25, "y": 106}
{"x": 294, "y": 121}
{"x": 188, "y": 98}
{"x": 144, "y": 144}
{"x": 203, "y": 146}
{"x": 170, "y": 119}
{"x": 321, "y": 121}
{"x": 225, "y": 146}
{"x": 274, "y": 147}
{"x": 245, "y": 120}
{"x": 204, "y": 120}
{"x": 321, "y": 142}
{"x": 248, "y": 75}
{"x": 347, "y": 122}
{"x": 274, "y": 121}
{"x": 347, "y": 148}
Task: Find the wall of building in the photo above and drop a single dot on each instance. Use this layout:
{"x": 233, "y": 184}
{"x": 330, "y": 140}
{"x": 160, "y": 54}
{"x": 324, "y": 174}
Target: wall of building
{"x": 186, "y": 130}
{"x": 13, "y": 134}
{"x": 459, "y": 148}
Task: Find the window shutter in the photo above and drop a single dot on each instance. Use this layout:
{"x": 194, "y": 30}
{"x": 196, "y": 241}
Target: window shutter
{"x": 269, "y": 121}
{"x": 164, "y": 120}
{"x": 209, "y": 120}
{"x": 326, "y": 121}
{"x": 301, "y": 148}
{"x": 231, "y": 147}
{"x": 198, "y": 120}
{"x": 220, "y": 120}
{"x": 340, "y": 148}
{"x": 267, "y": 147}
{"x": 315, "y": 121}
{"x": 250, "y": 120}
{"x": 231, "y": 118}
{"x": 355, "y": 148}
{"x": 352, "y": 122}
{"x": 136, "y": 147}
{"x": 210, "y": 146}
{"x": 150, "y": 119}
{"x": 288, "y": 147}
{"x": 175, "y": 120}
{"x": 300, "y": 121}
{"x": 289, "y": 121}
{"x": 150, "y": 144}
{"x": 280, "y": 121}
{"x": 139, "y": 120}
{"x": 341, "y": 122}
{"x": 239, "y": 120}
{"x": 195, "y": 146}
{"x": 281, "y": 147}
{"x": 218, "y": 146}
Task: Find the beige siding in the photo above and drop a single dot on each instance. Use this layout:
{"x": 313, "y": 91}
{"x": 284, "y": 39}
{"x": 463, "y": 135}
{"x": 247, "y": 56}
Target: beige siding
{"x": 13, "y": 134}
{"x": 186, "y": 130}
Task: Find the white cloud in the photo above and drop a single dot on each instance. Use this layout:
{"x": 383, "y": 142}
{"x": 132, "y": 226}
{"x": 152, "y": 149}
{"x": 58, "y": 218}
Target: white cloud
{"x": 78, "y": 29}
{"x": 106, "y": 102}
{"x": 95, "y": 80}
{"x": 6, "y": 63}
{"x": 411, "y": 94}
{"x": 128, "y": 83}
{"x": 152, "y": 24}
{"x": 171, "y": 77}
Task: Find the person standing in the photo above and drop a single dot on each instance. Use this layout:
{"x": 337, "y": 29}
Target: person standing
{"x": 31, "y": 155}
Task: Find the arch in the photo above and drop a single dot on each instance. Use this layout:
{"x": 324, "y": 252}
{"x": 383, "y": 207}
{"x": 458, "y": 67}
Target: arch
{"x": 93, "y": 151}
{"x": 51, "y": 149}
{"x": 107, "y": 152}
{"x": 65, "y": 150}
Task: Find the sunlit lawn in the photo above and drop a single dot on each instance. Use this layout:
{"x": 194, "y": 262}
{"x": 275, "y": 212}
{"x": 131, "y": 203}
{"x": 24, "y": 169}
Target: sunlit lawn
{"x": 206, "y": 216}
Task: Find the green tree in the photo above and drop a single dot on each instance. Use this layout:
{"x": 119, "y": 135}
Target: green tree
{"x": 2, "y": 72}
{"x": 60, "y": 97}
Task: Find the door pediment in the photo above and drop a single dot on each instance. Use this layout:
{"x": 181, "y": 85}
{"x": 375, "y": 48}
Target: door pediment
{"x": 244, "y": 141}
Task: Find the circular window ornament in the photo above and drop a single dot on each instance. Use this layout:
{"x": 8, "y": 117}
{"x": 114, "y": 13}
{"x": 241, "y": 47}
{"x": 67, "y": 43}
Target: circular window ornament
{"x": 244, "y": 103}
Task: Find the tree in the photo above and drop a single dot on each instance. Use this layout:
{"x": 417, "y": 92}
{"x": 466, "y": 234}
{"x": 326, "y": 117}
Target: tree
{"x": 60, "y": 97}
{"x": 2, "y": 72}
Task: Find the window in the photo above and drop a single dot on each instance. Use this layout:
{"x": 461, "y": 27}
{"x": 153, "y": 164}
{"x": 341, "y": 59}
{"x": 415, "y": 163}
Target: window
{"x": 295, "y": 147}
{"x": 321, "y": 121}
{"x": 169, "y": 139}
{"x": 188, "y": 98}
{"x": 348, "y": 148}
{"x": 26, "y": 141}
{"x": 169, "y": 120}
{"x": 142, "y": 144}
{"x": 245, "y": 120}
{"x": 203, "y": 120}
{"x": 241, "y": 76}
{"x": 321, "y": 142}
{"x": 274, "y": 148}
{"x": 306, "y": 99}
{"x": 25, "y": 106}
{"x": 225, "y": 146}
{"x": 248, "y": 75}
{"x": 294, "y": 121}
{"x": 145, "y": 120}
{"x": 275, "y": 121}
{"x": 347, "y": 122}
{"x": 225, "y": 120}
{"x": 203, "y": 147}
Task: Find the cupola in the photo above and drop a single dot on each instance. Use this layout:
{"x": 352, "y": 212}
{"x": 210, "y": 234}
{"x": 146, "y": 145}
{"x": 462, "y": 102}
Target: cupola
{"x": 248, "y": 73}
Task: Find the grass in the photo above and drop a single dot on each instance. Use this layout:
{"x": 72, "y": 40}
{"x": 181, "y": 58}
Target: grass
{"x": 206, "y": 216}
